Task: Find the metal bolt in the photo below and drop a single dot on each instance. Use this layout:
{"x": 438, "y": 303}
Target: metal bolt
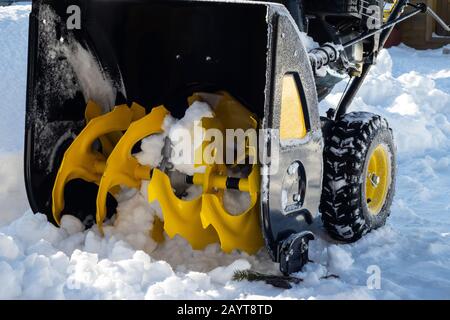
{"x": 293, "y": 169}
{"x": 374, "y": 180}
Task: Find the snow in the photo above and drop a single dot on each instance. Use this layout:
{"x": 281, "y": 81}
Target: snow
{"x": 412, "y": 253}
{"x": 94, "y": 83}
{"x": 148, "y": 156}
{"x": 236, "y": 202}
{"x": 71, "y": 224}
{"x": 224, "y": 274}
{"x": 308, "y": 42}
{"x": 404, "y": 105}
{"x": 150, "y": 145}
{"x": 182, "y": 137}
{"x": 12, "y": 186}
{"x": 13, "y": 69}
{"x": 339, "y": 259}
{"x": 134, "y": 221}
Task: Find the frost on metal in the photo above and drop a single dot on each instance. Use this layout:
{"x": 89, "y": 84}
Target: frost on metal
{"x": 70, "y": 69}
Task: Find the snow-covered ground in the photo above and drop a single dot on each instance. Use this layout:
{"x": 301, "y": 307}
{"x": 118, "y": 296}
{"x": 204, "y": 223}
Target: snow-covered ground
{"x": 410, "y": 88}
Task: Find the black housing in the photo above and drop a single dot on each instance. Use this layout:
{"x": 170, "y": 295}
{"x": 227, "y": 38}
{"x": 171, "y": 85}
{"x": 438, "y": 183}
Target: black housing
{"x": 160, "y": 52}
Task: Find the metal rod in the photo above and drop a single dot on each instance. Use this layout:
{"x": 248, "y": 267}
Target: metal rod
{"x": 350, "y": 94}
{"x": 356, "y": 84}
{"x": 438, "y": 19}
{"x": 329, "y": 53}
{"x": 220, "y": 182}
{"x": 382, "y": 28}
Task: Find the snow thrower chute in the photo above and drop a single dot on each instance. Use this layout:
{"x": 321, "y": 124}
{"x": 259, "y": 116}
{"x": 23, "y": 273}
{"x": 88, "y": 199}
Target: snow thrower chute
{"x": 103, "y": 75}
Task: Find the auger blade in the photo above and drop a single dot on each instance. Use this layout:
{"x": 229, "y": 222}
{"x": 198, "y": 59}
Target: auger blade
{"x": 93, "y": 111}
{"x": 180, "y": 217}
{"x": 80, "y": 160}
{"x": 110, "y": 139}
{"x": 121, "y": 167}
{"x": 235, "y": 232}
{"x": 233, "y": 114}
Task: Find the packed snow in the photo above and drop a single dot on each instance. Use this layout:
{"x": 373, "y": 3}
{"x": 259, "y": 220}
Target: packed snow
{"x": 411, "y": 254}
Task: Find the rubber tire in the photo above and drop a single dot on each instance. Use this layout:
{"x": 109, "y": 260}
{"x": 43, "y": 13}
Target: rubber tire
{"x": 343, "y": 206}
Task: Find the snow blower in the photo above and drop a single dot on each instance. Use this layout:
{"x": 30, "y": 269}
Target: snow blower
{"x": 105, "y": 74}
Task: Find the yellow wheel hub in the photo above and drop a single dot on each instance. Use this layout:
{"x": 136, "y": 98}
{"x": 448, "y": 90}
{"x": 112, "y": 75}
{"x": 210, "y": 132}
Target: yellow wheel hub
{"x": 378, "y": 177}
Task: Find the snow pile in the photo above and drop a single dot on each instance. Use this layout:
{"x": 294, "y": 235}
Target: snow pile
{"x": 13, "y": 70}
{"x": 134, "y": 223}
{"x": 181, "y": 136}
{"x": 12, "y": 188}
{"x": 412, "y": 253}
{"x": 38, "y": 260}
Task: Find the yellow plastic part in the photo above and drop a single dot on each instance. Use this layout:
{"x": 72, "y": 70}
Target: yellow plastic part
{"x": 292, "y": 118}
{"x": 378, "y": 179}
{"x": 80, "y": 160}
{"x": 158, "y": 230}
{"x": 229, "y": 114}
{"x": 196, "y": 97}
{"x": 199, "y": 156}
{"x": 180, "y": 217}
{"x": 235, "y": 232}
{"x": 201, "y": 221}
{"x": 204, "y": 220}
{"x": 93, "y": 111}
{"x": 121, "y": 167}
{"x": 110, "y": 140}
{"x": 388, "y": 8}
{"x": 233, "y": 114}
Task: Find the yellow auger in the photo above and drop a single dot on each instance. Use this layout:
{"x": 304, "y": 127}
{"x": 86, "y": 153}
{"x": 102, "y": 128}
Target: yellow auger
{"x": 235, "y": 232}
{"x": 121, "y": 167}
{"x": 80, "y": 160}
{"x": 181, "y": 217}
{"x": 205, "y": 220}
{"x": 200, "y": 221}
